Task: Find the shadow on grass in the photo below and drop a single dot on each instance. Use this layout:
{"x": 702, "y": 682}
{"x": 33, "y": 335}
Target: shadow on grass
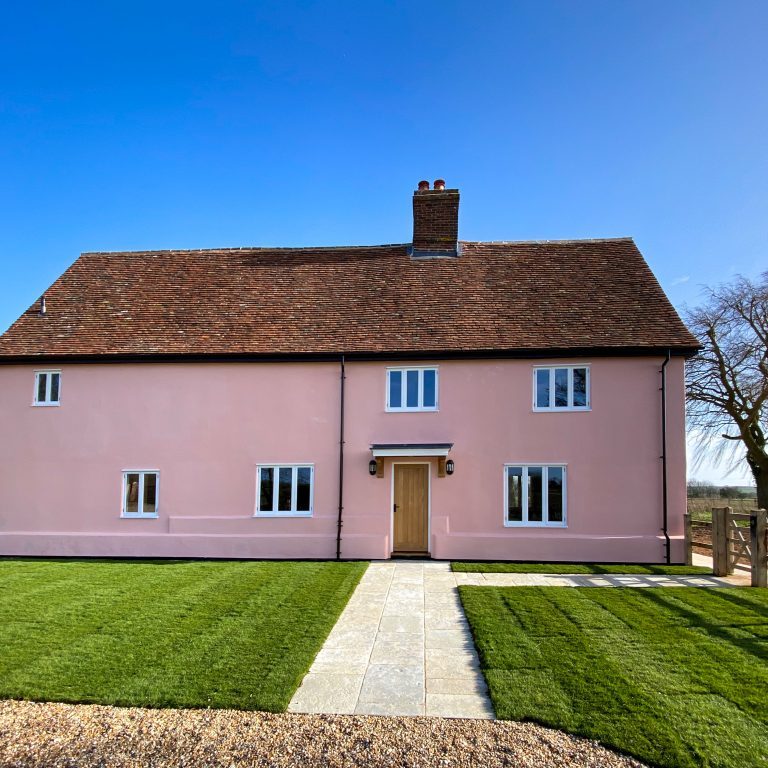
{"x": 754, "y": 646}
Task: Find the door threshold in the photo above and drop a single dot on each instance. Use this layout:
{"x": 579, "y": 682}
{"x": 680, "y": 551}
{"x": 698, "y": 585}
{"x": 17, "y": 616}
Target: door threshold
{"x": 411, "y": 554}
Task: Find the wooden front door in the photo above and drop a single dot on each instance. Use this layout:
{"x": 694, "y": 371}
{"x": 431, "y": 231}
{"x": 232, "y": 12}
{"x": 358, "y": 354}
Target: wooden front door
{"x": 411, "y": 508}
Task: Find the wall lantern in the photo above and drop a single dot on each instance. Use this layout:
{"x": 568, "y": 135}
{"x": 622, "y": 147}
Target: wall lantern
{"x": 372, "y": 467}
{"x": 449, "y": 467}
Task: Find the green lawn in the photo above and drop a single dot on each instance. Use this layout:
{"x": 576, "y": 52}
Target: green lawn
{"x": 675, "y": 570}
{"x": 675, "y": 677}
{"x": 166, "y": 633}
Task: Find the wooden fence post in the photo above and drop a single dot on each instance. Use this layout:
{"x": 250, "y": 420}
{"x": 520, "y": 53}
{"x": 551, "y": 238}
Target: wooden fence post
{"x": 688, "y": 539}
{"x": 758, "y": 534}
{"x": 720, "y": 541}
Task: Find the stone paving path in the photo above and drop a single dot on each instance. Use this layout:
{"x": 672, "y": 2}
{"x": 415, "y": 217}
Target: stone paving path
{"x": 596, "y": 580}
{"x": 402, "y": 646}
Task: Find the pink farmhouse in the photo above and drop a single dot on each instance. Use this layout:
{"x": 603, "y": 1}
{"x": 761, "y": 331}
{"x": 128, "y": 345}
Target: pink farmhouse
{"x": 452, "y": 399}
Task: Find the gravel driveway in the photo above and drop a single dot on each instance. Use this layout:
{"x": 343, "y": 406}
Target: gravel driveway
{"x": 85, "y": 735}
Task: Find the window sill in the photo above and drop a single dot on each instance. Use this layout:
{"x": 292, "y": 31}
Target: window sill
{"x": 535, "y": 525}
{"x": 138, "y": 517}
{"x": 46, "y": 405}
{"x": 412, "y": 410}
{"x": 563, "y": 410}
{"x": 267, "y": 515}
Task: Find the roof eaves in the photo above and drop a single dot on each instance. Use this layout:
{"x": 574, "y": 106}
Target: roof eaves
{"x": 678, "y": 350}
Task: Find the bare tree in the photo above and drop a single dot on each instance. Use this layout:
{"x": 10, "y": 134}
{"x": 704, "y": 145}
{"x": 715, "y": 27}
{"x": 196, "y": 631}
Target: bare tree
{"x": 727, "y": 382}
{"x": 701, "y": 489}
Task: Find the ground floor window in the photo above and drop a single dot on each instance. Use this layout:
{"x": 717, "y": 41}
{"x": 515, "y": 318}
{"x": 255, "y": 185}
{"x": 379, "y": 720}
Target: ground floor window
{"x": 534, "y": 494}
{"x": 284, "y": 490}
{"x": 140, "y": 493}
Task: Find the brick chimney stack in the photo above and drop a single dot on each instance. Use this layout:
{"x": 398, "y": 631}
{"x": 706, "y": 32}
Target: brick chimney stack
{"x": 435, "y": 221}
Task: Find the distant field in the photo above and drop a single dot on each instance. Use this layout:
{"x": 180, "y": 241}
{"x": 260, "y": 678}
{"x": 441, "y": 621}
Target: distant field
{"x": 701, "y": 509}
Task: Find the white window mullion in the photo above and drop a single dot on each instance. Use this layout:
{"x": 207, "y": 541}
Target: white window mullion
{"x": 275, "y": 489}
{"x": 420, "y": 400}
{"x": 551, "y": 387}
{"x": 545, "y": 495}
{"x": 48, "y": 378}
{"x": 140, "y": 505}
{"x": 564, "y": 500}
{"x": 524, "y": 499}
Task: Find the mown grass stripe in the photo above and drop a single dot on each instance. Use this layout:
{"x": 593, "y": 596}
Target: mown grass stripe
{"x": 186, "y": 634}
{"x": 580, "y": 568}
{"x": 675, "y": 677}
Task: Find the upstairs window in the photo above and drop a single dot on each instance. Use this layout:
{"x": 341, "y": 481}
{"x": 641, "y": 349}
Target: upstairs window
{"x": 534, "y": 495}
{"x": 140, "y": 493}
{"x": 412, "y": 389}
{"x": 284, "y": 490}
{"x": 47, "y": 387}
{"x": 561, "y": 388}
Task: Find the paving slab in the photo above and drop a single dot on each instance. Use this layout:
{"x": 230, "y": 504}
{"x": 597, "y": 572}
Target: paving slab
{"x": 456, "y": 685}
{"x": 388, "y": 683}
{"x": 402, "y": 625}
{"x": 448, "y": 638}
{"x": 457, "y": 705}
{"x": 402, "y": 646}
{"x": 329, "y": 693}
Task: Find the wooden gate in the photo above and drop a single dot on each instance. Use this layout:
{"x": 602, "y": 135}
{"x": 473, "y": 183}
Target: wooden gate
{"x": 740, "y": 538}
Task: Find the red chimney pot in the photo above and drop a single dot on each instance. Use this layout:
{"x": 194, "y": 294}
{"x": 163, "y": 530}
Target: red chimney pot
{"x": 439, "y": 184}
{"x": 423, "y": 185}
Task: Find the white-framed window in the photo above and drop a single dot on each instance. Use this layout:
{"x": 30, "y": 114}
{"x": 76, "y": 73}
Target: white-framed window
{"x": 535, "y": 495}
{"x": 141, "y": 493}
{"x": 561, "y": 388}
{"x": 412, "y": 389}
{"x": 47, "y": 388}
{"x": 284, "y": 490}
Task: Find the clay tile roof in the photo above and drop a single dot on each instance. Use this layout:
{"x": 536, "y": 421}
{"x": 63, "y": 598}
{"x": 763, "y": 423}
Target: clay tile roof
{"x": 506, "y": 296}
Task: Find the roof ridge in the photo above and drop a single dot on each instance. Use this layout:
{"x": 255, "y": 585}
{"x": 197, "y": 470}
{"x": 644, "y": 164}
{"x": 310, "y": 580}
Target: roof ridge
{"x": 626, "y": 238}
{"x": 304, "y": 248}
{"x": 247, "y": 249}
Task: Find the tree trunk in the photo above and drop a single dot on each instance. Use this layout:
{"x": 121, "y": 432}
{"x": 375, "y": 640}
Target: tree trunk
{"x": 759, "y": 467}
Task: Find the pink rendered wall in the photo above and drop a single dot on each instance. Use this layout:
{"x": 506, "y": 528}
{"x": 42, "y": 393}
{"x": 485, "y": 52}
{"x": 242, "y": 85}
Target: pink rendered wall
{"x": 612, "y": 453}
{"x": 206, "y": 426}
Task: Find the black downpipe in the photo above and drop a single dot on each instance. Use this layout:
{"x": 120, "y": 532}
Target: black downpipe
{"x": 664, "y": 456}
{"x": 341, "y": 464}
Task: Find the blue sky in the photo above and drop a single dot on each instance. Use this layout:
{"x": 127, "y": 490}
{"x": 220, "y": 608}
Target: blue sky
{"x": 156, "y": 125}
